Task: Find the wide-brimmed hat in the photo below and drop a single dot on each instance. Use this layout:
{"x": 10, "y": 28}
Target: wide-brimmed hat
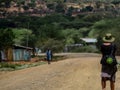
{"x": 108, "y": 38}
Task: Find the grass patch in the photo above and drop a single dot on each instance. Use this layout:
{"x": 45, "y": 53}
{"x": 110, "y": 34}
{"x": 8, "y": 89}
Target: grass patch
{"x": 58, "y": 58}
{"x": 11, "y": 66}
{"x": 6, "y": 66}
{"x": 55, "y": 58}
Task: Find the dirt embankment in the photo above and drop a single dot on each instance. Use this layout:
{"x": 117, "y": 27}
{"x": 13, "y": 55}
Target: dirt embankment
{"x": 79, "y": 72}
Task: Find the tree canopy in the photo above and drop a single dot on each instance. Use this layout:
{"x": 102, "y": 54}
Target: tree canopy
{"x": 6, "y": 38}
{"x": 58, "y": 30}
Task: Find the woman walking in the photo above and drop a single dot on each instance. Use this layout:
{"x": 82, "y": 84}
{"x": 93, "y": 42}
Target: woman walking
{"x": 109, "y": 66}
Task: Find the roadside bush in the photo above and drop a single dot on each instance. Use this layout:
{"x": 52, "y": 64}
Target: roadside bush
{"x": 5, "y": 66}
{"x": 54, "y": 45}
{"x": 88, "y": 49}
{"x": 8, "y": 66}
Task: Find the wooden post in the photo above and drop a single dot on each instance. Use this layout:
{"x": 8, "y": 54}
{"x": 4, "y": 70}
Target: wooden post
{"x": 10, "y": 54}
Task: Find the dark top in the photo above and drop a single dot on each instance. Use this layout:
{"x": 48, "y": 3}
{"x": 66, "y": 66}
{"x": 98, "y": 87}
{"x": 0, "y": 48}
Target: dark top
{"x": 108, "y": 49}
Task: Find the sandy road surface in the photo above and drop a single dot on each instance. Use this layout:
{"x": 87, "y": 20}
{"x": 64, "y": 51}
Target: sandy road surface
{"x": 80, "y": 72}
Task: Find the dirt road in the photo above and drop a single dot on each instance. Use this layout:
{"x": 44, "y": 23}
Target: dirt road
{"x": 79, "y": 72}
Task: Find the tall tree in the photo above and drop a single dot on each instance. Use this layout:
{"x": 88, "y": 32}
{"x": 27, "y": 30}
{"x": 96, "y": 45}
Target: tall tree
{"x": 22, "y": 36}
{"x": 6, "y": 40}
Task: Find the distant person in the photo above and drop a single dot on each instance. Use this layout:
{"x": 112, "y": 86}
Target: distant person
{"x": 36, "y": 51}
{"x": 109, "y": 66}
{"x": 49, "y": 55}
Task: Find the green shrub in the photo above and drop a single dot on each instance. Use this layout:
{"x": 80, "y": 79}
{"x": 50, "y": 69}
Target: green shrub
{"x": 10, "y": 67}
{"x": 88, "y": 49}
{"x": 5, "y": 66}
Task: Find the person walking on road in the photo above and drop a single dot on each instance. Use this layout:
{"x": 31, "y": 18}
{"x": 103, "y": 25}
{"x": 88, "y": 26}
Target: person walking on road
{"x": 49, "y": 55}
{"x": 109, "y": 66}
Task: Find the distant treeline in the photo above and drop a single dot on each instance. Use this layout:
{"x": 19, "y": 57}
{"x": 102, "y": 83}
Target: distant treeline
{"x": 57, "y": 30}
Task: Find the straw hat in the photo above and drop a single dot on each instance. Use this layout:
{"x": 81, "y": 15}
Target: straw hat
{"x": 108, "y": 38}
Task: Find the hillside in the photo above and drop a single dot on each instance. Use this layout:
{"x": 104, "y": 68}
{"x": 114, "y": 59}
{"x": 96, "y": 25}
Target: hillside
{"x": 43, "y": 7}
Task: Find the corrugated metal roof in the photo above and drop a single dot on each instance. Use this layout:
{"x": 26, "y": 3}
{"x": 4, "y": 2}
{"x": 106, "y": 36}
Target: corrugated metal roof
{"x": 89, "y": 40}
{"x": 23, "y": 47}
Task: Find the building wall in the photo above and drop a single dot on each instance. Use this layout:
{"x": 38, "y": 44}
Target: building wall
{"x": 3, "y": 55}
{"x": 21, "y": 54}
{"x": 16, "y": 53}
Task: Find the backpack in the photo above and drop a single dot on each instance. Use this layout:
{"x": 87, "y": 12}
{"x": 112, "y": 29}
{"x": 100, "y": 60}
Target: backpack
{"x": 109, "y": 60}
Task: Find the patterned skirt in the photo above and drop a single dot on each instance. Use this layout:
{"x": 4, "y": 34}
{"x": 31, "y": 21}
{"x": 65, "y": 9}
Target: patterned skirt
{"x": 108, "y": 72}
